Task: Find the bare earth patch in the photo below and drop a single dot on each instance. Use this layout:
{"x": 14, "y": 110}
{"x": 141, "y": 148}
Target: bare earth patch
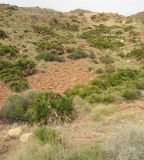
{"x": 59, "y": 77}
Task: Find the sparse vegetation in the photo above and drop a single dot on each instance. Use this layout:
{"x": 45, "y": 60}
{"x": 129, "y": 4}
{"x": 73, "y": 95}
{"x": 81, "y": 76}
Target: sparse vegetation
{"x": 98, "y": 60}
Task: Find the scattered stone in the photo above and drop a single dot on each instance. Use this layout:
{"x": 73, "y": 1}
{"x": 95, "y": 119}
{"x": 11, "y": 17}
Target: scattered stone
{"x": 15, "y": 133}
{"x": 25, "y": 137}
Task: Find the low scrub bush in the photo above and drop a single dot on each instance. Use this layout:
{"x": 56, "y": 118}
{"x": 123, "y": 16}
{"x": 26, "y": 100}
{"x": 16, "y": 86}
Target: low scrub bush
{"x": 12, "y": 76}
{"x": 2, "y": 34}
{"x": 140, "y": 84}
{"x": 77, "y": 54}
{"x": 131, "y": 94}
{"x": 101, "y": 43}
{"x": 137, "y": 53}
{"x": 46, "y": 56}
{"x": 46, "y": 135}
{"x": 13, "y": 73}
{"x": 8, "y": 51}
{"x": 52, "y": 47}
{"x": 37, "y": 107}
{"x": 27, "y": 66}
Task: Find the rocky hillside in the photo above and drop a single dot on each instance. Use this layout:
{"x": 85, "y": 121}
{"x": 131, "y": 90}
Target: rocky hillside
{"x": 69, "y": 80}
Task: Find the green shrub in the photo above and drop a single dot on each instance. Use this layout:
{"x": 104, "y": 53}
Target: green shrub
{"x": 19, "y": 85}
{"x": 46, "y": 56}
{"x": 99, "y": 83}
{"x": 131, "y": 94}
{"x": 5, "y": 64}
{"x": 108, "y": 98}
{"x": 140, "y": 84}
{"x": 101, "y": 42}
{"x": 27, "y": 66}
{"x": 137, "y": 53}
{"x": 63, "y": 106}
{"x": 8, "y": 51}
{"x": 12, "y": 76}
{"x": 52, "y": 47}
{"x": 46, "y": 135}
{"x": 2, "y": 34}
{"x": 39, "y": 110}
{"x": 37, "y": 107}
{"x": 77, "y": 54}
{"x": 16, "y": 107}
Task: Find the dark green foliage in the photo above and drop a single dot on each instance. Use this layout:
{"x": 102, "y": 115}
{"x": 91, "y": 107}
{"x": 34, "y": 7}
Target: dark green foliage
{"x": 53, "y": 47}
{"x": 26, "y": 65}
{"x": 46, "y": 135}
{"x": 12, "y": 76}
{"x": 131, "y": 94}
{"x": 12, "y": 73}
{"x": 63, "y": 106}
{"x": 46, "y": 56}
{"x": 8, "y": 51}
{"x": 37, "y": 107}
{"x": 137, "y": 53}
{"x": 77, "y": 54}
{"x": 16, "y": 107}
{"x": 2, "y": 34}
{"x": 107, "y": 87}
{"x": 101, "y": 43}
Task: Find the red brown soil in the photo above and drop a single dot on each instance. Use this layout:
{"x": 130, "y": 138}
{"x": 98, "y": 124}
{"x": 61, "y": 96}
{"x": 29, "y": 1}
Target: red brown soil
{"x": 4, "y": 93}
{"x": 59, "y": 77}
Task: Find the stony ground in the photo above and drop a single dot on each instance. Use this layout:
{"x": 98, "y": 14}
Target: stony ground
{"x": 59, "y": 77}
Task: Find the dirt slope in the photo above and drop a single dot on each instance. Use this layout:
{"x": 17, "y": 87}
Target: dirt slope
{"x": 59, "y": 77}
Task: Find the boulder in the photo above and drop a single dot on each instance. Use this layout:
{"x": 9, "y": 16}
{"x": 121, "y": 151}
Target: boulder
{"x": 15, "y": 133}
{"x": 25, "y": 137}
